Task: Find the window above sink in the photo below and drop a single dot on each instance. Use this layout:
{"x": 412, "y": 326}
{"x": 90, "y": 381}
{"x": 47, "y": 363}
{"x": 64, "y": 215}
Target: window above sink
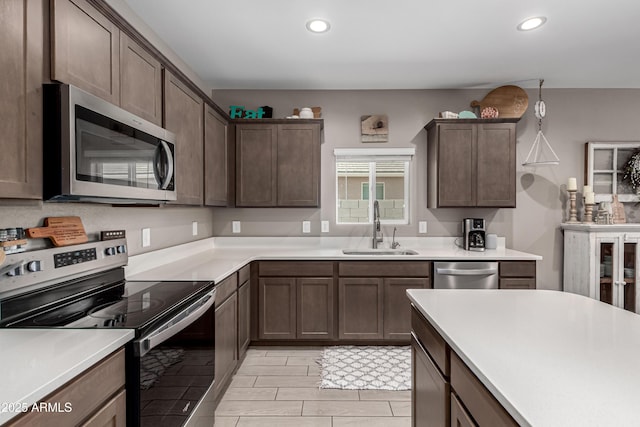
{"x": 364, "y": 175}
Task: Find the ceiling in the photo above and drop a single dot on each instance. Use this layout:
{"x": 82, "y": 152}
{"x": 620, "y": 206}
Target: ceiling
{"x": 402, "y": 44}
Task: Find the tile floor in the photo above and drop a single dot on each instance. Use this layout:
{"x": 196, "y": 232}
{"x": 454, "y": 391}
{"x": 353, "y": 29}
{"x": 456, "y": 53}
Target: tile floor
{"x": 278, "y": 387}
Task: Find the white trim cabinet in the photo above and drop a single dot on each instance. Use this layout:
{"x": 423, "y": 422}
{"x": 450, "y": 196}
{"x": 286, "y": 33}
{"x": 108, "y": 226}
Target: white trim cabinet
{"x": 603, "y": 262}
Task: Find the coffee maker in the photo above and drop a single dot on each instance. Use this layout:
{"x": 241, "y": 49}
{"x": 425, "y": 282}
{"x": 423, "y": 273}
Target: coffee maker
{"x": 473, "y": 233}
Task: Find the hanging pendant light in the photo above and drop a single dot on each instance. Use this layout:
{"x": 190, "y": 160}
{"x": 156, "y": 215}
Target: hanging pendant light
{"x": 541, "y": 153}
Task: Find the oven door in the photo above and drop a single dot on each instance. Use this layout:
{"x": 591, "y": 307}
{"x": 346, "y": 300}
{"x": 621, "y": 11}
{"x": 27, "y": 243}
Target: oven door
{"x": 170, "y": 377}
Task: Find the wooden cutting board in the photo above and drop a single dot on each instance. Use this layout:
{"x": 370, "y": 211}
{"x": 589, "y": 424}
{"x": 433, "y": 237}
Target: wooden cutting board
{"x": 511, "y": 101}
{"x": 62, "y": 230}
{"x": 3, "y": 256}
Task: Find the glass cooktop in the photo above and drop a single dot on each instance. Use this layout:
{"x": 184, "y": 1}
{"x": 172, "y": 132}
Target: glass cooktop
{"x": 96, "y": 304}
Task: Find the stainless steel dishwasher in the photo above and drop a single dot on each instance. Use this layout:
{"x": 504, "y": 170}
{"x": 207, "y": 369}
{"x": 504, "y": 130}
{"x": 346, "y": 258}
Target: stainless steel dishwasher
{"x": 465, "y": 275}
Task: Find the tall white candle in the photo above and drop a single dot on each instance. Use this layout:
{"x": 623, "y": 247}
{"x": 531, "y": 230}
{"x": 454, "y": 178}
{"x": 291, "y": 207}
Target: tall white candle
{"x": 587, "y": 189}
{"x": 572, "y": 184}
{"x": 589, "y": 198}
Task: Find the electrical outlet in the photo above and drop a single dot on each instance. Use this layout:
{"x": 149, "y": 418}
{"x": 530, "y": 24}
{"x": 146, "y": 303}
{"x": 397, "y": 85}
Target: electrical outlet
{"x": 325, "y": 226}
{"x": 235, "y": 226}
{"x": 306, "y": 226}
{"x": 422, "y": 227}
{"x": 146, "y": 237}
{"x": 194, "y": 228}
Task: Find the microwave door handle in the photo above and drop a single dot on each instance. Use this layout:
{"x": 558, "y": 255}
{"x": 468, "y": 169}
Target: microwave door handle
{"x": 157, "y": 173}
{"x": 163, "y": 174}
{"x": 177, "y": 323}
{"x": 169, "y": 168}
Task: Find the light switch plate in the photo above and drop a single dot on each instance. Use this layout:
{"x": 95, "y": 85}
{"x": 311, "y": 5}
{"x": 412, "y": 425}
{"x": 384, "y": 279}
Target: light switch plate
{"x": 235, "y": 226}
{"x": 422, "y": 227}
{"x": 194, "y": 228}
{"x": 146, "y": 237}
{"x": 306, "y": 226}
{"x": 325, "y": 226}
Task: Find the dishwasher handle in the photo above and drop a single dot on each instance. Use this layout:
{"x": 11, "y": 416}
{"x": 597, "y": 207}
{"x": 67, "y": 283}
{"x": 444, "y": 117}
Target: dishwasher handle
{"x": 467, "y": 272}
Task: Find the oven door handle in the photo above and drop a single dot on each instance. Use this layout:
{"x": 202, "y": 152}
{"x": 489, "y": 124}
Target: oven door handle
{"x": 176, "y": 323}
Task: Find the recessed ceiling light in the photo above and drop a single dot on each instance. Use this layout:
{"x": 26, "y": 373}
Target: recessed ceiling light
{"x": 318, "y": 26}
{"x": 532, "y": 23}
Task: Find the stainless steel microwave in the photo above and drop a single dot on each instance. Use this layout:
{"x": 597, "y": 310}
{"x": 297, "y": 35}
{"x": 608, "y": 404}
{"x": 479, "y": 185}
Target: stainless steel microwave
{"x": 95, "y": 151}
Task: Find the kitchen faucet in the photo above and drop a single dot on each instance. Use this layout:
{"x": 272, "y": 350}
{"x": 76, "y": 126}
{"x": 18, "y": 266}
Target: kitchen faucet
{"x": 394, "y": 244}
{"x": 376, "y": 225}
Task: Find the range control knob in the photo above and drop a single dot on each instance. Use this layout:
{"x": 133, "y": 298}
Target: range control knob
{"x": 15, "y": 272}
{"x": 34, "y": 266}
{"x": 122, "y": 249}
{"x": 110, "y": 251}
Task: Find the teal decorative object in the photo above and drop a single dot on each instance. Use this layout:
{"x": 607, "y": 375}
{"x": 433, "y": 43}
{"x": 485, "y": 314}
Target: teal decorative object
{"x": 467, "y": 115}
{"x": 239, "y": 112}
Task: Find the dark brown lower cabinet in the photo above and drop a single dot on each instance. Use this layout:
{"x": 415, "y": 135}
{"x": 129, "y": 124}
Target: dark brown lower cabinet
{"x": 113, "y": 413}
{"x": 97, "y": 397}
{"x": 226, "y": 358}
{"x": 277, "y": 308}
{"x": 517, "y": 274}
{"x": 315, "y": 313}
{"x": 244, "y": 325}
{"x": 372, "y": 299}
{"x": 430, "y": 389}
{"x": 360, "y": 308}
{"x": 397, "y": 307}
{"x": 463, "y": 400}
{"x": 296, "y": 308}
{"x": 459, "y": 416}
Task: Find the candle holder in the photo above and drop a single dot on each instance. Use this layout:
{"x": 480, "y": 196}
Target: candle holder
{"x": 573, "y": 212}
{"x": 588, "y": 213}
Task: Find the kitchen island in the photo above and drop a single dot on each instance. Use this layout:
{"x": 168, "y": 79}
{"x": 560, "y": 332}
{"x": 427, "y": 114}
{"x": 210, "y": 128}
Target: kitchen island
{"x": 530, "y": 358}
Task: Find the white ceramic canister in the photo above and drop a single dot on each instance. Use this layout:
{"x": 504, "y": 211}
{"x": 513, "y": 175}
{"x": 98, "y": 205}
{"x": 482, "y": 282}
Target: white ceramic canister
{"x": 492, "y": 241}
{"x": 306, "y": 113}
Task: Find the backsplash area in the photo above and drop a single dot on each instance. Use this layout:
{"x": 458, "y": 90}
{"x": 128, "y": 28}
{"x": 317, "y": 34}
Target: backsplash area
{"x": 169, "y": 225}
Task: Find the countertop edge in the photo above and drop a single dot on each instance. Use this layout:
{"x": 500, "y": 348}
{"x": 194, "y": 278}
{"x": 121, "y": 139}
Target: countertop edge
{"x": 159, "y": 267}
{"x": 52, "y": 384}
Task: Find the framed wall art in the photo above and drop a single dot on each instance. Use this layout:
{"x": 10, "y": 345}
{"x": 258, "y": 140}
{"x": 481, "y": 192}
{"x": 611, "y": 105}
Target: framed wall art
{"x": 374, "y": 128}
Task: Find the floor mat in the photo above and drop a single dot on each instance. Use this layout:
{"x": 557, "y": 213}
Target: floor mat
{"x": 154, "y": 363}
{"x": 366, "y": 368}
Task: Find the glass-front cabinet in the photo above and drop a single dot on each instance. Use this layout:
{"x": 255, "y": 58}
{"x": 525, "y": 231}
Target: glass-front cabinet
{"x": 602, "y": 262}
{"x": 618, "y": 258}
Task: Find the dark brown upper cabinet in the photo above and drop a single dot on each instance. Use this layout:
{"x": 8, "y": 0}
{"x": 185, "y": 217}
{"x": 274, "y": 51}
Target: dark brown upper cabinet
{"x": 85, "y": 49}
{"x": 184, "y": 116}
{"x": 471, "y": 163}
{"x": 278, "y": 163}
{"x": 140, "y": 81}
{"x": 21, "y": 76}
{"x": 216, "y": 159}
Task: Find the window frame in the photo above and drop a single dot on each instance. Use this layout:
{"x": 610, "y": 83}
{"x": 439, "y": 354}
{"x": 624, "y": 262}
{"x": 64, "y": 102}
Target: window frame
{"x": 372, "y": 156}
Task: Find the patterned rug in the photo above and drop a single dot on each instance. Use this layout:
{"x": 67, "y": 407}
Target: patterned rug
{"x": 366, "y": 368}
{"x": 154, "y": 363}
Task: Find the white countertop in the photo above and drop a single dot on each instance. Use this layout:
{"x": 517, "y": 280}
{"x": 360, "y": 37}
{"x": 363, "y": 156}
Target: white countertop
{"x": 550, "y": 358}
{"x": 36, "y": 362}
{"x": 216, "y": 258}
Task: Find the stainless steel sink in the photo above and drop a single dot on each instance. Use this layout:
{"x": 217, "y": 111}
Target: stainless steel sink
{"x": 380, "y": 252}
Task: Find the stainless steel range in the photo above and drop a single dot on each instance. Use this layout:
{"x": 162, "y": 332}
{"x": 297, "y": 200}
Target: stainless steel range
{"x": 170, "y": 363}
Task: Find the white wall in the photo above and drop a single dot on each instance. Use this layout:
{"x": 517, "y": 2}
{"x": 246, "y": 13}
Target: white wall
{"x": 574, "y": 117}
